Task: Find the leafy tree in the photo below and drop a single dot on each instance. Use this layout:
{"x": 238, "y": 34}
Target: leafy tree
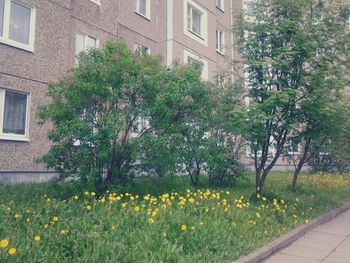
{"x": 290, "y": 51}
{"x": 96, "y": 113}
{"x": 322, "y": 136}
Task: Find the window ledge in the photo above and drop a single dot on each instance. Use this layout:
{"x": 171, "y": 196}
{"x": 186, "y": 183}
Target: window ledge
{"x": 16, "y": 44}
{"x": 98, "y": 2}
{"x": 220, "y": 8}
{"x": 142, "y": 15}
{"x": 197, "y": 35}
{"x": 220, "y": 52}
{"x": 5, "y": 137}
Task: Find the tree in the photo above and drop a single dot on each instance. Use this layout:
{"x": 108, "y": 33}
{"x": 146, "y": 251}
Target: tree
{"x": 290, "y": 51}
{"x": 325, "y": 120}
{"x": 110, "y": 105}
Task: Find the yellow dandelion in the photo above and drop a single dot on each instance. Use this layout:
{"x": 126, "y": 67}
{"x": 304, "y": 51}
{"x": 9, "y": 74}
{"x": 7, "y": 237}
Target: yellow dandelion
{"x": 201, "y": 223}
{"x": 306, "y": 221}
{"x": 12, "y": 251}
{"x": 63, "y": 232}
{"x": 46, "y": 225}
{"x": 37, "y": 238}
{"x": 88, "y": 207}
{"x": 4, "y": 243}
{"x": 164, "y": 234}
{"x": 183, "y": 227}
{"x": 8, "y": 209}
{"x": 93, "y": 193}
{"x": 258, "y": 215}
{"x": 17, "y": 216}
{"x": 75, "y": 197}
{"x": 55, "y": 218}
{"x": 137, "y": 209}
{"x": 151, "y": 220}
{"x": 114, "y": 227}
{"x": 86, "y": 193}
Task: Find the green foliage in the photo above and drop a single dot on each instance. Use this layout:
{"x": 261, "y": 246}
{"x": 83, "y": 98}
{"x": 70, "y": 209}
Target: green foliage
{"x": 296, "y": 57}
{"x": 121, "y": 114}
{"x": 216, "y": 230}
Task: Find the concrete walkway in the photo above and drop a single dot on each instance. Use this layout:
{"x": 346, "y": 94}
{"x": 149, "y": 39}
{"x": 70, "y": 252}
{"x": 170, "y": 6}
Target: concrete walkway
{"x": 328, "y": 243}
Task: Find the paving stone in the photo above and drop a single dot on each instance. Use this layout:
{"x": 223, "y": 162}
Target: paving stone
{"x": 306, "y": 252}
{"x": 319, "y": 240}
{"x": 283, "y": 258}
{"x": 338, "y": 257}
{"x": 339, "y": 227}
{"x": 344, "y": 247}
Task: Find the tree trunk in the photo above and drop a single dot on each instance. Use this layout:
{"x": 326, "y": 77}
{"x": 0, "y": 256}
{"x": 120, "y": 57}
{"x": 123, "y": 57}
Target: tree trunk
{"x": 300, "y": 164}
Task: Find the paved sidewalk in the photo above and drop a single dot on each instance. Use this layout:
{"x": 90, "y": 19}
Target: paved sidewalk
{"x": 327, "y": 243}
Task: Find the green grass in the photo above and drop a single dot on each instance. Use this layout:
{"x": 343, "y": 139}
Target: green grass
{"x": 114, "y": 231}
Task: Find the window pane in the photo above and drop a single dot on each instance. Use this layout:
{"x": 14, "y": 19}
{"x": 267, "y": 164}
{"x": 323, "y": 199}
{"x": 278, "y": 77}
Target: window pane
{"x": 19, "y": 23}
{"x": 91, "y": 43}
{"x": 142, "y": 7}
{"x": 196, "y": 22}
{"x": 2, "y": 2}
{"x": 15, "y": 113}
{"x": 79, "y": 44}
{"x": 189, "y": 17}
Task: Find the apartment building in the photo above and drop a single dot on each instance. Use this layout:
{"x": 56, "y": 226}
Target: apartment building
{"x": 39, "y": 41}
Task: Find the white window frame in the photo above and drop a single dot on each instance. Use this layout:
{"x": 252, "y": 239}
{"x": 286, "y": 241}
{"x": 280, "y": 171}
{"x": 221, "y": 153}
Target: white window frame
{"x": 220, "y": 37}
{"x": 220, "y": 4}
{"x": 205, "y": 72}
{"x": 220, "y": 80}
{"x": 138, "y": 46}
{"x": 6, "y": 27}
{"x": 203, "y": 37}
{"x": 290, "y": 148}
{"x": 97, "y": 2}
{"x": 86, "y": 38}
{"x": 148, "y": 9}
{"x": 12, "y": 136}
{"x": 245, "y": 8}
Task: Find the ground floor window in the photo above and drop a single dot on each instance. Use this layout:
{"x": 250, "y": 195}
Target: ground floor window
{"x": 14, "y": 107}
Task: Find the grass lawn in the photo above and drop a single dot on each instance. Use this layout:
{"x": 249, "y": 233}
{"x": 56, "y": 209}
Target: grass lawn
{"x": 158, "y": 220}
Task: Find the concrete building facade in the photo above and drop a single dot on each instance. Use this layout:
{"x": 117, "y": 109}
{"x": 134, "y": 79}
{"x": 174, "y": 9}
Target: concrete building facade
{"x": 39, "y": 41}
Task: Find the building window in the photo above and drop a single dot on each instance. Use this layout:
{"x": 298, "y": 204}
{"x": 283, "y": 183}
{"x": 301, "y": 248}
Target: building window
{"x": 17, "y": 22}
{"x": 196, "y": 22}
{"x": 143, "y": 8}
{"x": 249, "y": 9}
{"x": 292, "y": 147}
{"x": 14, "y": 108}
{"x": 220, "y": 4}
{"x": 97, "y": 2}
{"x": 196, "y": 61}
{"x": 220, "y": 41}
{"x": 83, "y": 43}
{"x": 220, "y": 80}
{"x": 141, "y": 49}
